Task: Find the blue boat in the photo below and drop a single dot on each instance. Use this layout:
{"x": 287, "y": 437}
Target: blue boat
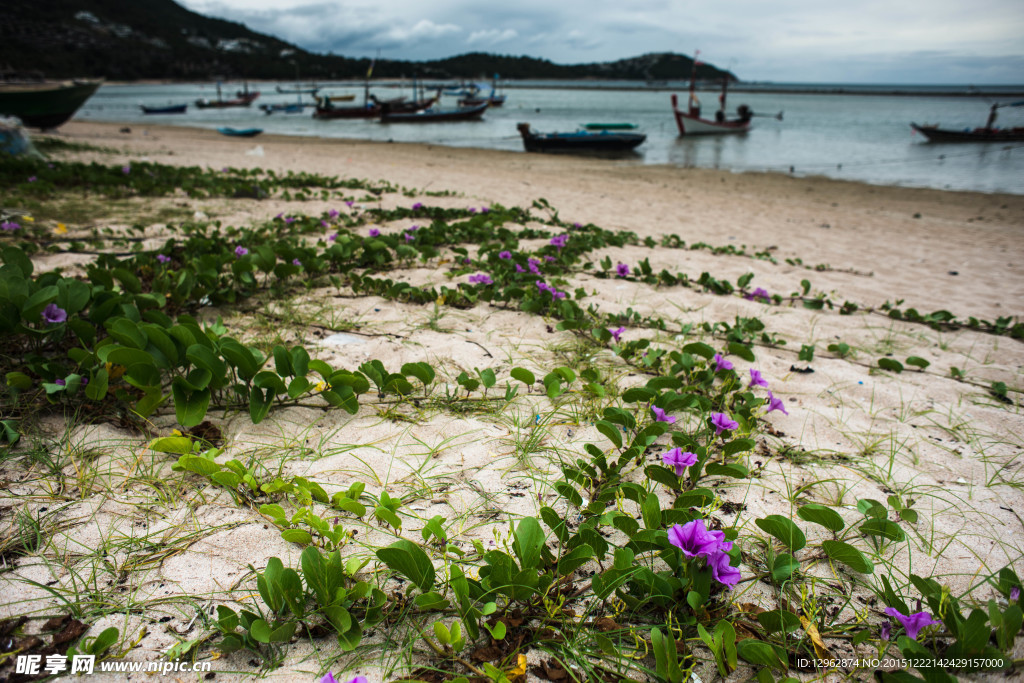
{"x": 239, "y": 132}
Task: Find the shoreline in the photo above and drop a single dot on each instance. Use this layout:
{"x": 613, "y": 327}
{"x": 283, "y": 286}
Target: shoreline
{"x": 674, "y": 86}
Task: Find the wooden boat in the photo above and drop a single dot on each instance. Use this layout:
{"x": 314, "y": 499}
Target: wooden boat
{"x": 582, "y": 140}
{"x": 342, "y": 98}
{"x": 328, "y": 111}
{"x": 45, "y": 104}
{"x": 244, "y": 98}
{"x": 987, "y": 133}
{"x": 239, "y": 132}
{"x": 290, "y": 108}
{"x": 433, "y": 115}
{"x": 169, "y": 109}
{"x": 690, "y": 122}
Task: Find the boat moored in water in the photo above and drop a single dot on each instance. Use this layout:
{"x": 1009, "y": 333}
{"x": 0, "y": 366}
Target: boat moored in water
{"x": 987, "y": 133}
{"x": 579, "y": 141}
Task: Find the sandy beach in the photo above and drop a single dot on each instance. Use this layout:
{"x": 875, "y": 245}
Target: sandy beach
{"x": 934, "y": 439}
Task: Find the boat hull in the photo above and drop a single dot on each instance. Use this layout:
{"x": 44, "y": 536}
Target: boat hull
{"x": 45, "y": 105}
{"x": 239, "y": 132}
{"x": 582, "y": 141}
{"x": 936, "y": 134}
{"x": 370, "y": 112}
{"x": 174, "y": 109}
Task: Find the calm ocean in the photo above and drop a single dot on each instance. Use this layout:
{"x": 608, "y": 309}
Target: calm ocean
{"x": 846, "y": 136}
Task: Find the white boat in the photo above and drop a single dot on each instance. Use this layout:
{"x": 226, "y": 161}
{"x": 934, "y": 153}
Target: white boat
{"x": 690, "y": 122}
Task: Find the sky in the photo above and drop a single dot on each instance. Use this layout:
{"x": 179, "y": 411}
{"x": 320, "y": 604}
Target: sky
{"x": 933, "y": 42}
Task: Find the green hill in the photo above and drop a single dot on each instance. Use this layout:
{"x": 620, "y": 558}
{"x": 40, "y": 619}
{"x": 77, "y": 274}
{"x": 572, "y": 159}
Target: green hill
{"x": 159, "y": 39}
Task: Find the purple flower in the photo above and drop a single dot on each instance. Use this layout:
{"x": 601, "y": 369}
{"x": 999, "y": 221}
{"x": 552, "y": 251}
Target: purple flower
{"x": 721, "y": 571}
{"x": 349, "y": 203}
{"x": 577, "y": 225}
{"x": 417, "y": 206}
{"x": 333, "y": 213}
{"x": 374, "y": 232}
{"x": 722, "y": 364}
{"x": 759, "y": 293}
{"x": 163, "y": 259}
{"x": 241, "y": 251}
{"x": 886, "y": 630}
{"x": 693, "y": 538}
{"x": 679, "y": 460}
{"x": 472, "y": 210}
{"x": 409, "y": 237}
{"x": 721, "y": 423}
{"x": 559, "y": 240}
{"x": 332, "y": 237}
{"x": 60, "y": 382}
{"x": 756, "y": 380}
{"x": 225, "y": 169}
{"x": 85, "y": 381}
{"x": 543, "y": 286}
{"x": 913, "y": 623}
{"x": 279, "y": 216}
{"x": 1015, "y": 593}
{"x": 617, "y": 334}
{"x": 54, "y": 314}
{"x": 325, "y": 224}
{"x": 485, "y": 209}
{"x": 660, "y": 416}
{"x": 126, "y": 169}
{"x": 32, "y": 178}
{"x": 414, "y": 228}
{"x": 467, "y": 260}
{"x": 622, "y": 270}
{"x": 505, "y": 254}
{"x": 534, "y": 266}
{"x": 329, "y": 678}
{"x": 289, "y": 219}
{"x": 296, "y": 262}
{"x": 520, "y": 269}
{"x": 557, "y": 294}
{"x": 722, "y": 543}
{"x": 481, "y": 279}
{"x": 360, "y": 679}
{"x": 9, "y": 226}
{"x": 776, "y": 404}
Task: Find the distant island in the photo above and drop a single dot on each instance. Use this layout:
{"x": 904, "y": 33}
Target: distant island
{"x": 126, "y": 40}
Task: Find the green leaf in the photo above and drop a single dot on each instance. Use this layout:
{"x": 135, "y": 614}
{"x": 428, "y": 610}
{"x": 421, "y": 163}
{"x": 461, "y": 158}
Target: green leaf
{"x": 529, "y": 539}
{"x": 822, "y": 515}
{"x": 783, "y": 529}
{"x": 738, "y": 446}
{"x": 890, "y": 364}
{"x": 784, "y": 567}
{"x": 180, "y": 445}
{"x": 763, "y": 654}
{"x": 779, "y": 620}
{"x": 734, "y": 470}
{"x": 918, "y": 362}
{"x": 610, "y": 431}
{"x": 883, "y": 528}
{"x": 741, "y": 350}
{"x": 700, "y": 349}
{"x": 299, "y": 536}
{"x": 409, "y": 560}
{"x": 523, "y": 375}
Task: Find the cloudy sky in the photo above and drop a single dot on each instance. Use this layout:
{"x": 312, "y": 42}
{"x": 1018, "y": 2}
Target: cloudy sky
{"x": 814, "y": 41}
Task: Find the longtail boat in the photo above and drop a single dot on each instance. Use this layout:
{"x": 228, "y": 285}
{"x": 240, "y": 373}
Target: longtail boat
{"x": 582, "y": 140}
{"x": 987, "y": 133}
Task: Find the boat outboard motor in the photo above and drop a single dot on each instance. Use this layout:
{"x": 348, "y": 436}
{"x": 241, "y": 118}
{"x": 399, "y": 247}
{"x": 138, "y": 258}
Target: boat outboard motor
{"x": 745, "y": 113}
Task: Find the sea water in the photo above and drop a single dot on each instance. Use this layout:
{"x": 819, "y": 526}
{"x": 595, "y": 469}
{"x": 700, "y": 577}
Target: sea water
{"x": 851, "y": 136}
